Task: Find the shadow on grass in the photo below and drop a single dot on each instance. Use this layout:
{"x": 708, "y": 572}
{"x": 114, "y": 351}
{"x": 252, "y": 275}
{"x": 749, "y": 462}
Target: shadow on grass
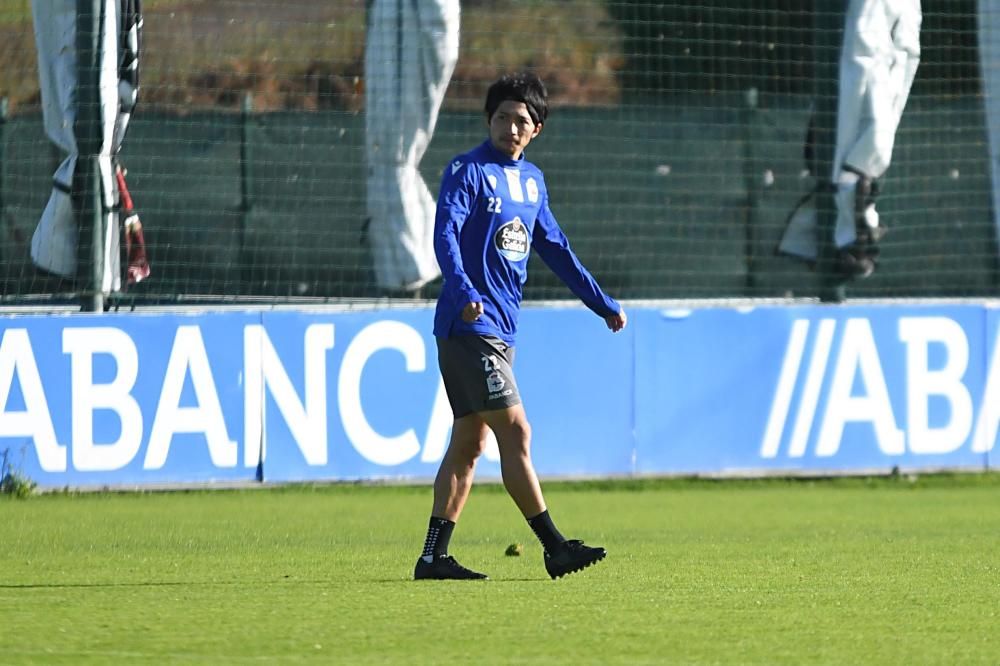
{"x": 58, "y": 586}
{"x": 200, "y": 583}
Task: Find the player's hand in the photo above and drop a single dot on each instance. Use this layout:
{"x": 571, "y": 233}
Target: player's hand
{"x": 616, "y": 322}
{"x": 472, "y": 312}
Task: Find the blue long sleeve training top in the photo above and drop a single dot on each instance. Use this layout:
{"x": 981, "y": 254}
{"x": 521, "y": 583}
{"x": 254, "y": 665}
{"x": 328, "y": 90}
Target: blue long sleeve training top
{"x": 491, "y": 211}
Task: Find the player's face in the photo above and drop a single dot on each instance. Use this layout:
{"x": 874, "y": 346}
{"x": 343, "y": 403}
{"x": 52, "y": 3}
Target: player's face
{"x": 511, "y": 128}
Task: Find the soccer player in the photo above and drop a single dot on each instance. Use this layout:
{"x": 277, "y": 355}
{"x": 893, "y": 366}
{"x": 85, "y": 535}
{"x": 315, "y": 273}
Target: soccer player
{"x": 493, "y": 209}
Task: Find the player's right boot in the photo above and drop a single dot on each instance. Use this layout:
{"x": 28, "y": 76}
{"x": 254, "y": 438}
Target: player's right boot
{"x": 572, "y": 556}
{"x": 444, "y": 567}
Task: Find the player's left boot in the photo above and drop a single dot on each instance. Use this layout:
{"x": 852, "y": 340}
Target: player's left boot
{"x": 572, "y": 556}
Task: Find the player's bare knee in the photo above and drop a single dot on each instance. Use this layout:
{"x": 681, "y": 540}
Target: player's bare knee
{"x": 522, "y": 431}
{"x": 467, "y": 450}
{"x": 516, "y": 440}
{"x": 477, "y": 448}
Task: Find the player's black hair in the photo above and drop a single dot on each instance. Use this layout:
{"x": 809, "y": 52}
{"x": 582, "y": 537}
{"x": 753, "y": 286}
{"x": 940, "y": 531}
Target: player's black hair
{"x": 521, "y": 87}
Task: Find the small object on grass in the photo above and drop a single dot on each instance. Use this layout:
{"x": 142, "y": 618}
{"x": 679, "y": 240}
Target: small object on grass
{"x": 514, "y": 550}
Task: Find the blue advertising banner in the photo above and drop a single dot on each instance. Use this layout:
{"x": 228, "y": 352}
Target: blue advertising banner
{"x": 577, "y": 380}
{"x": 282, "y": 396}
{"x": 92, "y": 400}
{"x": 985, "y": 436}
{"x": 372, "y": 406}
{"x": 388, "y": 411}
{"x": 811, "y": 389}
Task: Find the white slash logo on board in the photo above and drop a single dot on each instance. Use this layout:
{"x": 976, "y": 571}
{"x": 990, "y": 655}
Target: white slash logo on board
{"x": 838, "y": 385}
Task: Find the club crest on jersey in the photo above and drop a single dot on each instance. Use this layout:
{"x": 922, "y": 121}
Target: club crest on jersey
{"x": 511, "y": 240}
{"x": 492, "y": 181}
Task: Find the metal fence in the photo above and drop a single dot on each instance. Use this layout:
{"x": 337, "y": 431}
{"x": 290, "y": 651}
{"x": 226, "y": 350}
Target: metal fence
{"x": 674, "y": 152}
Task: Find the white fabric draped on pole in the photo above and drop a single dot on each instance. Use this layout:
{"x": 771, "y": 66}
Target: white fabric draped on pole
{"x": 878, "y": 62}
{"x": 54, "y": 242}
{"x": 410, "y": 54}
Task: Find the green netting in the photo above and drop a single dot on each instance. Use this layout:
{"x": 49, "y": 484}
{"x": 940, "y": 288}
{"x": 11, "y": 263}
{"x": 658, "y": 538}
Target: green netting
{"x": 306, "y": 201}
{"x": 26, "y": 168}
{"x": 689, "y": 202}
{"x": 673, "y": 154}
{"x": 634, "y": 199}
{"x": 935, "y": 202}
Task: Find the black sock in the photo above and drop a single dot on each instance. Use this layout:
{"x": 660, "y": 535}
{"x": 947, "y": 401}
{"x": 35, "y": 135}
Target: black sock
{"x": 438, "y": 535}
{"x": 546, "y": 531}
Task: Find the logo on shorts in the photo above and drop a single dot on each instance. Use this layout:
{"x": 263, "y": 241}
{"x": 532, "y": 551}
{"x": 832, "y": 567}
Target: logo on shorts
{"x": 494, "y": 380}
{"x": 511, "y": 240}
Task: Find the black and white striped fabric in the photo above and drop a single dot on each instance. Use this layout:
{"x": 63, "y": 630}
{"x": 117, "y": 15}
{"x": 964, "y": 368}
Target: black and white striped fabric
{"x": 54, "y": 242}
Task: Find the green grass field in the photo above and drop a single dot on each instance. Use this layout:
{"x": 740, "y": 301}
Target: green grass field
{"x": 887, "y": 571}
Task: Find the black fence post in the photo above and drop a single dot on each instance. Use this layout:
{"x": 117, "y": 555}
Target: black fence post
{"x": 751, "y": 182}
{"x": 246, "y": 188}
{"x": 87, "y": 188}
{"x": 828, "y": 38}
{"x": 4, "y": 108}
